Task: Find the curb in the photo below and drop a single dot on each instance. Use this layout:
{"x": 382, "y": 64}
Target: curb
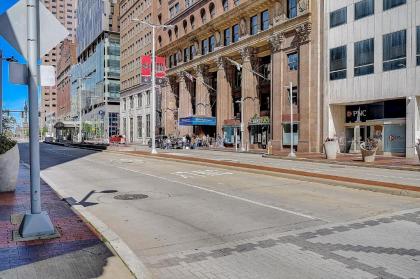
{"x": 117, "y": 246}
{"x": 355, "y": 183}
{"x": 360, "y": 164}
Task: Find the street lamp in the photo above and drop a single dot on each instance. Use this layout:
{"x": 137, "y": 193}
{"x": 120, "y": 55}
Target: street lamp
{"x": 8, "y": 59}
{"x": 292, "y": 151}
{"x": 153, "y": 26}
{"x": 241, "y": 102}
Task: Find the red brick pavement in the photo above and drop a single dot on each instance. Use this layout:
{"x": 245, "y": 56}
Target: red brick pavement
{"x": 75, "y": 234}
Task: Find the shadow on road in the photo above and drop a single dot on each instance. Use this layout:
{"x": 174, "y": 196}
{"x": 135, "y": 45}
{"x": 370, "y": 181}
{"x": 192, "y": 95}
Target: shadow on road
{"x": 53, "y": 155}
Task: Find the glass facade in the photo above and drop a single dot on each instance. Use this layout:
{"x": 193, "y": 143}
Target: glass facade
{"x": 395, "y": 50}
{"x": 338, "y": 17}
{"x": 364, "y": 57}
{"x": 235, "y": 33}
{"x": 389, "y": 4}
{"x": 254, "y": 25}
{"x": 418, "y": 45}
{"x": 338, "y": 63}
{"x": 292, "y": 8}
{"x": 226, "y": 37}
{"x": 364, "y": 8}
{"x": 293, "y": 61}
{"x": 265, "y": 20}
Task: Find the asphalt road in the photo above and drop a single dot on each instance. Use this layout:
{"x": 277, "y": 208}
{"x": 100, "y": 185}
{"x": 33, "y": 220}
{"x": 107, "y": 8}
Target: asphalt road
{"x": 206, "y": 222}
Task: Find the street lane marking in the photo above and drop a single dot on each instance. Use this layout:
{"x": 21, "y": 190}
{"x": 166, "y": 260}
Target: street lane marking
{"x": 201, "y": 173}
{"x": 226, "y": 195}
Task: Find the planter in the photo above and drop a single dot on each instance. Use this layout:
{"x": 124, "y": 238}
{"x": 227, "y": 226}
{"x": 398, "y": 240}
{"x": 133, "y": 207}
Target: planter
{"x": 368, "y": 155}
{"x": 331, "y": 149}
{"x": 9, "y": 169}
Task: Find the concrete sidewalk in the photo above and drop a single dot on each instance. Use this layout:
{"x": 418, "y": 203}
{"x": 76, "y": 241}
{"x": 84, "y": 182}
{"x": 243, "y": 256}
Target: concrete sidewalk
{"x": 78, "y": 253}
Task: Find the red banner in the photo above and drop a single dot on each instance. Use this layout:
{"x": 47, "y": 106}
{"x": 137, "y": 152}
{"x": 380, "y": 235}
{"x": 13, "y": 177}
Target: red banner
{"x": 146, "y": 69}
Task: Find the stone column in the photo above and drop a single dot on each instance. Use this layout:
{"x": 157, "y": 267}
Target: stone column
{"x": 169, "y": 107}
{"x": 203, "y": 106}
{"x": 249, "y": 91}
{"x": 224, "y": 95}
{"x": 412, "y": 125}
{"x": 277, "y": 90}
{"x": 185, "y": 106}
{"x": 309, "y": 97}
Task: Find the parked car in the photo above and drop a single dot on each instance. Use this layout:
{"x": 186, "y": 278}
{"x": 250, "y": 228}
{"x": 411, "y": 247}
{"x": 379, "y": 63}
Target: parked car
{"x": 117, "y": 139}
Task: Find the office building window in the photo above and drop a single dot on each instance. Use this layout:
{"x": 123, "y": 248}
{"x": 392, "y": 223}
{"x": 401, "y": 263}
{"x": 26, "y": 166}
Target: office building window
{"x": 212, "y": 43}
{"x": 204, "y": 46}
{"x": 265, "y": 20}
{"x": 254, "y": 25}
{"x": 295, "y": 95}
{"x": 338, "y": 17}
{"x": 225, "y": 4}
{"x": 338, "y": 63}
{"x": 139, "y": 100}
{"x": 389, "y": 4}
{"x": 125, "y": 104}
{"x": 192, "y": 52}
{"x": 292, "y": 8}
{"x": 148, "y": 125}
{"x": 363, "y": 57}
{"x": 363, "y": 9}
{"x": 293, "y": 61}
{"x": 395, "y": 50}
{"x": 148, "y": 98}
{"x": 186, "y": 54}
{"x": 139, "y": 127}
{"x": 418, "y": 46}
{"x": 235, "y": 33}
{"x": 226, "y": 37}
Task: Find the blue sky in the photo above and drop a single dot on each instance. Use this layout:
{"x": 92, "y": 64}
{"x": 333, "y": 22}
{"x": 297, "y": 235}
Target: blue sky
{"x": 14, "y": 96}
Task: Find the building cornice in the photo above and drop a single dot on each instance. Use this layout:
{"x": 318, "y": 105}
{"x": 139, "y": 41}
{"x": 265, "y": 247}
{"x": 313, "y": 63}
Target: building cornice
{"x": 259, "y": 39}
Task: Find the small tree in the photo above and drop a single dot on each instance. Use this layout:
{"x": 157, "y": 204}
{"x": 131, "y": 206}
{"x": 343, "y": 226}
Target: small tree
{"x": 8, "y": 123}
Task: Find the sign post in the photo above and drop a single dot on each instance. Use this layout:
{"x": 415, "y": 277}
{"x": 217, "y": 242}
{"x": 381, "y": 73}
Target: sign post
{"x": 37, "y": 222}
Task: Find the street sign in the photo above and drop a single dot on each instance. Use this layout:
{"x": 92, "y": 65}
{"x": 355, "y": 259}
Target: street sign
{"x": 14, "y": 28}
{"x": 18, "y": 74}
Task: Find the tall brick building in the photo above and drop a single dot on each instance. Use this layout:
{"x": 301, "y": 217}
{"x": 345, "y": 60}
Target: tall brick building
{"x": 65, "y": 12}
{"x": 224, "y": 52}
{"x": 136, "y": 40}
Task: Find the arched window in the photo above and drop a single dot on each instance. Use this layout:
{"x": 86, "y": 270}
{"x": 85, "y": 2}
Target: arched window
{"x": 160, "y": 41}
{"x": 170, "y": 35}
{"x": 212, "y": 10}
{"x": 176, "y": 31}
{"x": 203, "y": 16}
{"x": 192, "y": 22}
{"x": 225, "y": 4}
{"x": 185, "y": 25}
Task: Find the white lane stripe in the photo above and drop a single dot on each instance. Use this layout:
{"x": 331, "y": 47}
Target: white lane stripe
{"x": 213, "y": 191}
{"x": 225, "y": 195}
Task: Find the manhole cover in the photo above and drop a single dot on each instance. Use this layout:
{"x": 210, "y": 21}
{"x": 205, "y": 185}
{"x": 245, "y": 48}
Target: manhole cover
{"x": 127, "y": 197}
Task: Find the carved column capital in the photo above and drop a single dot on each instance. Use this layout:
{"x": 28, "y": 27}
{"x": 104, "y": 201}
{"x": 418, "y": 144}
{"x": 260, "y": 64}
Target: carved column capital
{"x": 201, "y": 70}
{"x": 276, "y": 40}
{"x": 303, "y": 34}
{"x": 247, "y": 53}
{"x": 221, "y": 63}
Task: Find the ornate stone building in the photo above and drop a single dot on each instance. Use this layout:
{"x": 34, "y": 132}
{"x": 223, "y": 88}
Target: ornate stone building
{"x": 225, "y": 53}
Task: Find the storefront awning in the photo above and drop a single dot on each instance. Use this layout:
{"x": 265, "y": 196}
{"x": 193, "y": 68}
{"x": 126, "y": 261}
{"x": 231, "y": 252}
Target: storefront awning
{"x": 64, "y": 125}
{"x": 197, "y": 121}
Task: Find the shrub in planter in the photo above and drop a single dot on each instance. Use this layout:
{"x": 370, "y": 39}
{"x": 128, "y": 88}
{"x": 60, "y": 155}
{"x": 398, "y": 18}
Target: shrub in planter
{"x": 369, "y": 148}
{"x": 9, "y": 164}
{"x": 330, "y": 146}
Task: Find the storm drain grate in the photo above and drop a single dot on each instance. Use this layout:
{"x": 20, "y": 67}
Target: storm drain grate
{"x": 128, "y": 197}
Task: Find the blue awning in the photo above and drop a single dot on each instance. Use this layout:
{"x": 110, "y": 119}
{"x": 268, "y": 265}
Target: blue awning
{"x": 197, "y": 121}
